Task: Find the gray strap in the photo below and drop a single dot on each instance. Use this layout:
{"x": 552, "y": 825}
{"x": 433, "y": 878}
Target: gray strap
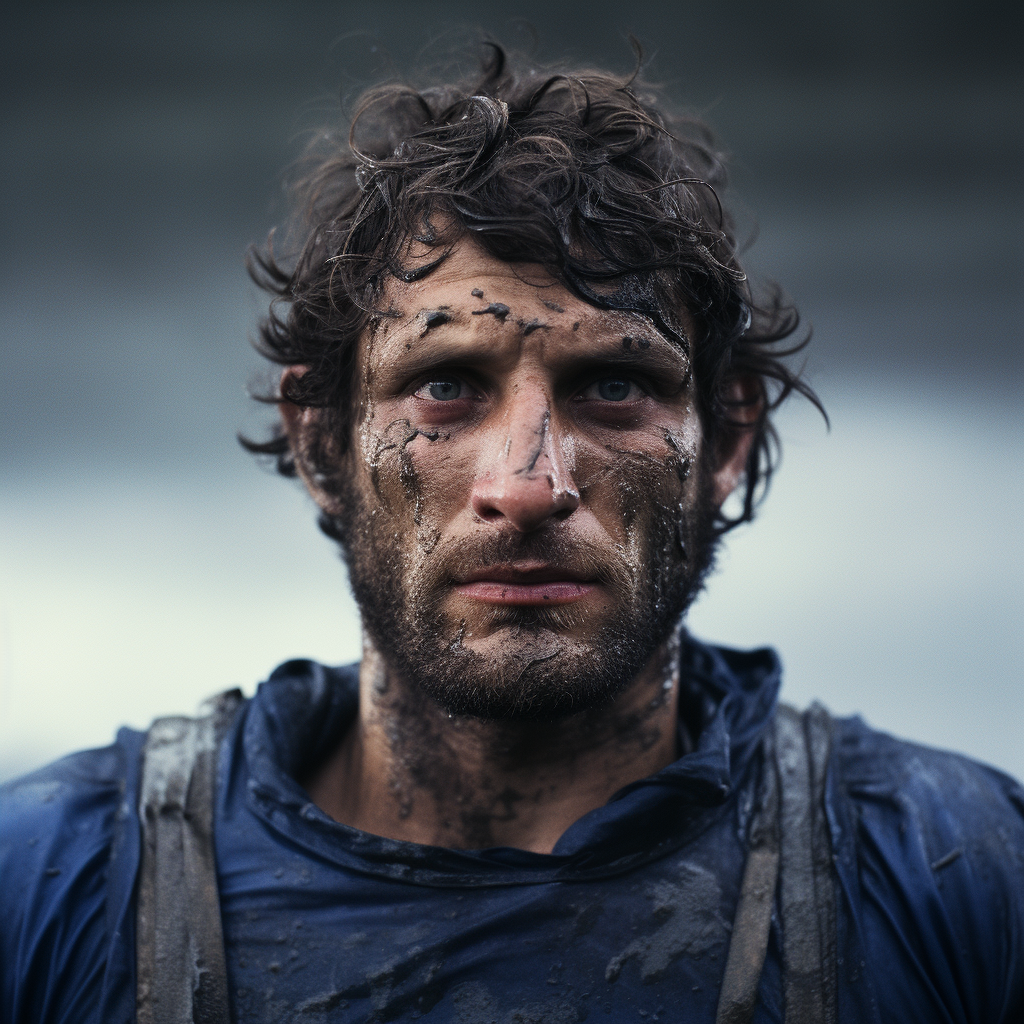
{"x": 818, "y": 729}
{"x": 749, "y": 942}
{"x": 806, "y": 887}
{"x": 181, "y": 973}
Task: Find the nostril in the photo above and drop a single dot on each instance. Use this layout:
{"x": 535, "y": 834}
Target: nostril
{"x": 486, "y": 507}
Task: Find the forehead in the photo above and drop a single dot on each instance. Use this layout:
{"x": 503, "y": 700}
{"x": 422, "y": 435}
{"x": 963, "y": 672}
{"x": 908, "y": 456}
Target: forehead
{"x": 473, "y": 299}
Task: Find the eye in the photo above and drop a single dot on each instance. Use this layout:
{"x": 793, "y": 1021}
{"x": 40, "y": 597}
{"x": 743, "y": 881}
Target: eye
{"x": 445, "y": 389}
{"x": 612, "y": 389}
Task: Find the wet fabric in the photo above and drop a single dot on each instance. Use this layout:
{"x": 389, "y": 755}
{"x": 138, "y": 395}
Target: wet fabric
{"x": 627, "y": 919}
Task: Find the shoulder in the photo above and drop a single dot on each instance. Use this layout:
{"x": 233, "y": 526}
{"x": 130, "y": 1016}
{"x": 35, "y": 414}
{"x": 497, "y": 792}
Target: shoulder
{"x": 68, "y": 850}
{"x": 930, "y": 850}
{"x": 948, "y": 798}
{"x": 55, "y": 819}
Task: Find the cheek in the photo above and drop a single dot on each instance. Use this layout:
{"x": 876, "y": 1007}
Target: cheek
{"x": 415, "y": 479}
{"x": 443, "y": 473}
{"x": 630, "y": 485}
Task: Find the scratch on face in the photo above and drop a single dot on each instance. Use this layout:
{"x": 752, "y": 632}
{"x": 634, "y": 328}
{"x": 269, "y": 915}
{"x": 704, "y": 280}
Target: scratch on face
{"x": 542, "y": 435}
{"x": 496, "y": 309}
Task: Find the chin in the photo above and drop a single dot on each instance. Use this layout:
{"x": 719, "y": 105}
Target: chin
{"x": 526, "y": 674}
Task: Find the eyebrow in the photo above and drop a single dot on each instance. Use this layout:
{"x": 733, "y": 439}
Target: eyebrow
{"x": 434, "y": 317}
{"x": 450, "y": 344}
{"x": 667, "y": 358}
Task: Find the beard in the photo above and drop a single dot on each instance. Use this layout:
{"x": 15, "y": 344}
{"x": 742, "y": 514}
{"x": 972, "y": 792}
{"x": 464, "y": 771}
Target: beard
{"x": 547, "y": 662}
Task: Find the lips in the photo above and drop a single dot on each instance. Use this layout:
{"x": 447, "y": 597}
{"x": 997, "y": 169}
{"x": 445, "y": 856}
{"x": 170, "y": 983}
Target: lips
{"x": 532, "y": 584}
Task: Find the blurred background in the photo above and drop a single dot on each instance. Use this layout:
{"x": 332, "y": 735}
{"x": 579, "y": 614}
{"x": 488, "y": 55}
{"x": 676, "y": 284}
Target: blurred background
{"x": 146, "y": 561}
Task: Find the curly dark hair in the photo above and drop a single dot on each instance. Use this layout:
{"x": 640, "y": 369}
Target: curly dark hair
{"x": 580, "y": 171}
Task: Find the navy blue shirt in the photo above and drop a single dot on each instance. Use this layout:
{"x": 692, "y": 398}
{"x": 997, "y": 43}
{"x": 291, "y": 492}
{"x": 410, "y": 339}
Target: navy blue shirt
{"x": 628, "y": 919}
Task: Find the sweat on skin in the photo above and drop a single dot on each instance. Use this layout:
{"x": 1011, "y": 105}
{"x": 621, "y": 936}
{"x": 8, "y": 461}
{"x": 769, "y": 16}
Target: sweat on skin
{"x": 528, "y": 492}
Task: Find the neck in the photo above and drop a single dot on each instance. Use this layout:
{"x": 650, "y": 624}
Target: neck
{"x": 408, "y": 771}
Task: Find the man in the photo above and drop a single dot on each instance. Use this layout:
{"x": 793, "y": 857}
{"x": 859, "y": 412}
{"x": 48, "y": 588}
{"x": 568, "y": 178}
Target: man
{"x": 522, "y": 373}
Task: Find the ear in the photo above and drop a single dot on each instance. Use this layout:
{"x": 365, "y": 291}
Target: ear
{"x": 303, "y": 426}
{"x": 744, "y": 398}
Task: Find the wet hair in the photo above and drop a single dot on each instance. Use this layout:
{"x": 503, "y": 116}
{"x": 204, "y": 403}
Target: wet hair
{"x": 581, "y": 171}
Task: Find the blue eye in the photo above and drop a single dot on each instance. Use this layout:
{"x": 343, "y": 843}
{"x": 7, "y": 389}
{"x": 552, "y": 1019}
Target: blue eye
{"x": 444, "y": 390}
{"x": 612, "y": 389}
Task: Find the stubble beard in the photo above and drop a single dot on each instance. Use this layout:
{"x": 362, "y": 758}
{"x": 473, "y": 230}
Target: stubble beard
{"x": 551, "y": 662}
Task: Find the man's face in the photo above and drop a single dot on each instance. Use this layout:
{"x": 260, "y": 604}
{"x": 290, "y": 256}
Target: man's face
{"x": 528, "y": 501}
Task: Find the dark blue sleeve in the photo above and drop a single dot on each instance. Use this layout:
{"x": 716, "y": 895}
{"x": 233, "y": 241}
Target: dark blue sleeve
{"x": 69, "y": 848}
{"x": 930, "y": 853}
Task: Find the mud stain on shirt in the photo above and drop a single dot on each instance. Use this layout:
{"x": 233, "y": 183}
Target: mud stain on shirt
{"x": 688, "y": 919}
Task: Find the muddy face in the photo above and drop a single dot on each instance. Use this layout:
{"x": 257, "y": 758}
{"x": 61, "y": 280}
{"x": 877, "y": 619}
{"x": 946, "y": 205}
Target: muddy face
{"x": 528, "y": 501}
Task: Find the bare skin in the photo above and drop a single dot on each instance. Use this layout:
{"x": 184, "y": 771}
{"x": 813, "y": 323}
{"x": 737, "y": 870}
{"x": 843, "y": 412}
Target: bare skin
{"x": 521, "y": 415}
{"x": 504, "y": 785}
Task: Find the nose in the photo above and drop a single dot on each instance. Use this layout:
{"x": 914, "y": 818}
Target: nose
{"x": 524, "y": 478}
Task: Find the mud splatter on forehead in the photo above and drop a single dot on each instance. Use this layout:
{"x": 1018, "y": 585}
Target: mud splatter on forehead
{"x": 641, "y": 342}
{"x": 632, "y": 332}
{"x": 432, "y": 318}
{"x": 477, "y": 293}
{"x": 496, "y": 309}
{"x": 553, "y": 306}
{"x": 534, "y": 325}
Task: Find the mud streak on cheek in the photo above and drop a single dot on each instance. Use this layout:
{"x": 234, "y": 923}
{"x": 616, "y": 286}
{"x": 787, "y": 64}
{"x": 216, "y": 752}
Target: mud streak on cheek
{"x": 398, "y": 482}
{"x": 380, "y": 448}
{"x": 428, "y": 534}
{"x": 684, "y": 451}
{"x": 643, "y": 485}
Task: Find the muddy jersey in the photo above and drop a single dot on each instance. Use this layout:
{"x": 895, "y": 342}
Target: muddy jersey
{"x": 628, "y": 919}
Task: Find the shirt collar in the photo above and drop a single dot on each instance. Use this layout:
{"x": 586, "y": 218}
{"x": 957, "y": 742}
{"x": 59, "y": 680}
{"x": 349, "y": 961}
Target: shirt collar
{"x": 727, "y": 698}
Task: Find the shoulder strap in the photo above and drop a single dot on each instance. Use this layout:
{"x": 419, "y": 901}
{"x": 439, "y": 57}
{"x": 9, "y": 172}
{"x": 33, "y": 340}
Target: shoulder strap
{"x": 749, "y": 943}
{"x": 181, "y": 975}
{"x": 807, "y": 888}
{"x": 788, "y": 844}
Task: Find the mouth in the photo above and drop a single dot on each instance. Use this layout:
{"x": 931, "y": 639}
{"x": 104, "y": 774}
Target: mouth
{"x": 536, "y": 584}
